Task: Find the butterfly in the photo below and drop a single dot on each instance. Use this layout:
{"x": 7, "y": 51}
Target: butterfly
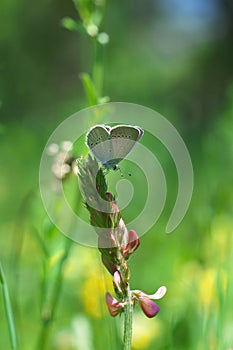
{"x": 111, "y": 145}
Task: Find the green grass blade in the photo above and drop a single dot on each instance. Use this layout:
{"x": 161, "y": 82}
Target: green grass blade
{"x": 8, "y": 310}
{"x": 90, "y": 89}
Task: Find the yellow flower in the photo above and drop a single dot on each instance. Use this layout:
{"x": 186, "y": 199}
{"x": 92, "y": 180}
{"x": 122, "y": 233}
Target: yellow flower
{"x": 222, "y": 240}
{"x": 212, "y": 284}
{"x": 206, "y": 287}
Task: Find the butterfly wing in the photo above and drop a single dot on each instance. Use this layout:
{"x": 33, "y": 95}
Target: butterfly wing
{"x": 100, "y": 143}
{"x": 111, "y": 145}
{"x": 124, "y": 138}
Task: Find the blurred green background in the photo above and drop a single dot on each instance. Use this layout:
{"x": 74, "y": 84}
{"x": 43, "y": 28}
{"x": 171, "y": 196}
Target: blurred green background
{"x": 176, "y": 58}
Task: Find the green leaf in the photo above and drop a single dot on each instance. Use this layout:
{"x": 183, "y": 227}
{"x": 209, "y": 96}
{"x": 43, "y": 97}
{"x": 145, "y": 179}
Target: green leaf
{"x": 8, "y": 310}
{"x": 70, "y": 24}
{"x": 41, "y": 242}
{"x": 90, "y": 89}
{"x": 85, "y": 9}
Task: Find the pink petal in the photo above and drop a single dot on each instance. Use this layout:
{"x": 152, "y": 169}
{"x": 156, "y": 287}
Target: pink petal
{"x": 133, "y": 243}
{"x": 117, "y": 281}
{"x": 149, "y": 308}
{"x": 157, "y": 295}
{"x": 114, "y": 306}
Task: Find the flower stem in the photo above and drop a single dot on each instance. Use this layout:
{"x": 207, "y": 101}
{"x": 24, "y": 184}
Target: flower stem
{"x": 128, "y": 321}
{"x": 98, "y": 68}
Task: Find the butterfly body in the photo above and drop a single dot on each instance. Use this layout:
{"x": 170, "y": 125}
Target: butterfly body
{"x": 111, "y": 145}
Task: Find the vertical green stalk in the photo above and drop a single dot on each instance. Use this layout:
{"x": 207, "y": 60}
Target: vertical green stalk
{"x": 93, "y": 89}
{"x": 8, "y": 310}
{"x": 128, "y": 322}
{"x": 93, "y": 85}
{"x": 98, "y": 68}
{"x": 50, "y": 306}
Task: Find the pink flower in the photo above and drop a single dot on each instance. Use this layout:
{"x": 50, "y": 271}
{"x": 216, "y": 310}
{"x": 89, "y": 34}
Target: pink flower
{"x": 115, "y": 307}
{"x": 149, "y": 307}
{"x": 117, "y": 282}
{"x": 132, "y": 245}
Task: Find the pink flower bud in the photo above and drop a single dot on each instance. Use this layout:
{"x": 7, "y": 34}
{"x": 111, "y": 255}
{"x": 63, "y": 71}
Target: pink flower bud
{"x": 133, "y": 243}
{"x": 114, "y": 306}
{"x": 117, "y": 281}
{"x": 109, "y": 196}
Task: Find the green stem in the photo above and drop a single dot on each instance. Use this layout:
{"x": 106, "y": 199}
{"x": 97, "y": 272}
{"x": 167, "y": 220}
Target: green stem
{"x": 8, "y": 309}
{"x": 49, "y": 303}
{"x": 49, "y": 308}
{"x": 128, "y": 322}
{"x": 98, "y": 69}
